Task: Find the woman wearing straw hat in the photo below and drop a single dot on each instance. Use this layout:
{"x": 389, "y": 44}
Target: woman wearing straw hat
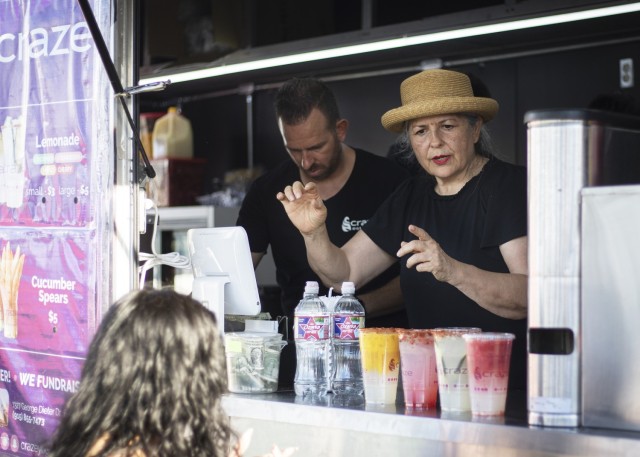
{"x": 459, "y": 229}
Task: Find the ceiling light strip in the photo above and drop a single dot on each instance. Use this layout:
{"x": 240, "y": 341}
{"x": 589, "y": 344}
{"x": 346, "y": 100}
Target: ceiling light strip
{"x": 394, "y": 43}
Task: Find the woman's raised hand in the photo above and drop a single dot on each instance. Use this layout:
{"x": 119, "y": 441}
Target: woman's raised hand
{"x": 426, "y": 255}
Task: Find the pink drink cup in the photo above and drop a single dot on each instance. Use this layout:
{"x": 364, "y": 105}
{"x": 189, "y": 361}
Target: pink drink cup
{"x": 488, "y": 358}
{"x": 418, "y": 365}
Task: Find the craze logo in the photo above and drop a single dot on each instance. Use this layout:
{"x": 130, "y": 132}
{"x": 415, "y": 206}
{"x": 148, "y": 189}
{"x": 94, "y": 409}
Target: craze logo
{"x": 41, "y": 42}
{"x": 479, "y": 374}
{"x": 352, "y": 226}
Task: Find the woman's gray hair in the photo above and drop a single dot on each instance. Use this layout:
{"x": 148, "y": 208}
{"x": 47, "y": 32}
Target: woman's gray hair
{"x": 483, "y": 147}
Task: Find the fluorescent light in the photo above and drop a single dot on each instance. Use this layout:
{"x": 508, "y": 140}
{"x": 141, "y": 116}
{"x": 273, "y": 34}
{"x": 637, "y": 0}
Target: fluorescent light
{"x": 394, "y": 43}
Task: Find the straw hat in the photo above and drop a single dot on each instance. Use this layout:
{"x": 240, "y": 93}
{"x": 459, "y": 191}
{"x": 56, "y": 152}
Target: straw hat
{"x": 434, "y": 92}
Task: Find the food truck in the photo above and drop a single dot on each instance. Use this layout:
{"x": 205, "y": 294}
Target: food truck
{"x": 74, "y": 177}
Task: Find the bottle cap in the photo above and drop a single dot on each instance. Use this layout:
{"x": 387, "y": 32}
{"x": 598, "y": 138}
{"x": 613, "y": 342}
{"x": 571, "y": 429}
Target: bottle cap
{"x": 311, "y": 287}
{"x": 348, "y": 288}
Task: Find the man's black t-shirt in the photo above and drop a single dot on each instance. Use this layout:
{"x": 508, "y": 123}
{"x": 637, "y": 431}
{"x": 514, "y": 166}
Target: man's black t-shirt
{"x": 372, "y": 180}
{"x": 470, "y": 226}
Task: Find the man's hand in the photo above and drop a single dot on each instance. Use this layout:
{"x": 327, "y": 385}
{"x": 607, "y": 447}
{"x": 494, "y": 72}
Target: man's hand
{"x": 304, "y": 206}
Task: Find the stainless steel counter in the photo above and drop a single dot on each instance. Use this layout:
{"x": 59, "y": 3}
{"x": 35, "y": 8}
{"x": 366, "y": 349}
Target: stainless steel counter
{"x": 333, "y": 427}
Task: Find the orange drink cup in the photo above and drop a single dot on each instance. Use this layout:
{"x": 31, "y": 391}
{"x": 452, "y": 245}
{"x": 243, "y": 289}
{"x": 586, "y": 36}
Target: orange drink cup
{"x": 451, "y": 359}
{"x": 419, "y": 371}
{"x": 380, "y": 355}
{"x": 489, "y": 357}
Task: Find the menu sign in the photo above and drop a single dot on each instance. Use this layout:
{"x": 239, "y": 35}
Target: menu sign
{"x": 46, "y": 304}
{"x": 54, "y": 172}
{"x": 46, "y": 105}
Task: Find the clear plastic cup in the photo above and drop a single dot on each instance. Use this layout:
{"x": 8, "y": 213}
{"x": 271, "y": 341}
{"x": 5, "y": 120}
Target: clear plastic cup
{"x": 488, "y": 359}
{"x": 451, "y": 359}
{"x": 253, "y": 361}
{"x": 418, "y": 365}
{"x": 380, "y": 355}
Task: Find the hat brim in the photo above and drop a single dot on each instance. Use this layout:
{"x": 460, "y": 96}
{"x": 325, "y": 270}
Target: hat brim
{"x": 393, "y": 120}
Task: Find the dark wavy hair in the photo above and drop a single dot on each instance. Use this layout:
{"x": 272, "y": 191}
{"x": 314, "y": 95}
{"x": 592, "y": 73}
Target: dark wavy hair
{"x": 152, "y": 382}
{"x": 297, "y": 97}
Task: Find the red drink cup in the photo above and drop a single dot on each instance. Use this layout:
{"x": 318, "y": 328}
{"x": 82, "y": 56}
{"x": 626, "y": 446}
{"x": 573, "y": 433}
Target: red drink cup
{"x": 418, "y": 365}
{"x": 488, "y": 359}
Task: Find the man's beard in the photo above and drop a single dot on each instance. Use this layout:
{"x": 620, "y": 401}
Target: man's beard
{"x": 329, "y": 169}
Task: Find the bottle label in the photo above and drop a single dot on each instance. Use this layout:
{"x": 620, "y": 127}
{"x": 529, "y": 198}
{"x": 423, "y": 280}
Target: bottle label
{"x": 312, "y": 327}
{"x": 347, "y": 326}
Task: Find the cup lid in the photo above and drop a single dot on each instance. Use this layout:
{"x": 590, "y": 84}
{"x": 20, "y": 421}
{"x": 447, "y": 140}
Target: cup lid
{"x": 454, "y": 331}
{"x": 489, "y": 336}
{"x": 253, "y": 336}
{"x": 381, "y": 330}
{"x": 415, "y": 334}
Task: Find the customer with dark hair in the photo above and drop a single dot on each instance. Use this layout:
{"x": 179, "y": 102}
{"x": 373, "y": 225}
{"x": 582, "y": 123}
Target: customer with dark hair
{"x": 350, "y": 181}
{"x": 151, "y": 385}
{"x": 459, "y": 229}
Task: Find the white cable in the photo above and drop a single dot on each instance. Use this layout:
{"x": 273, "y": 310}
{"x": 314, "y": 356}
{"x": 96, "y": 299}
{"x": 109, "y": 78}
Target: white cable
{"x": 172, "y": 259}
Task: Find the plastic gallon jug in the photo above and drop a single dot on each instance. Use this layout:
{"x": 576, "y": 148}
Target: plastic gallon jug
{"x": 172, "y": 136}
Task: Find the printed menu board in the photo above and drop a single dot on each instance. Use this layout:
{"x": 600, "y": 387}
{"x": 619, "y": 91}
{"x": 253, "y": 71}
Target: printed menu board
{"x": 56, "y": 166}
{"x": 46, "y": 285}
{"x": 45, "y": 124}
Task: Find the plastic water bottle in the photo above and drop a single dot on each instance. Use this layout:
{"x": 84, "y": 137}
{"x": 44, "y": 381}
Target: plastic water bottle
{"x": 313, "y": 343}
{"x": 348, "y": 319}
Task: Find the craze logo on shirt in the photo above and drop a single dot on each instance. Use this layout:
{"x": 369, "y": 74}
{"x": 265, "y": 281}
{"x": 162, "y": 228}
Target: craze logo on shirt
{"x": 352, "y": 226}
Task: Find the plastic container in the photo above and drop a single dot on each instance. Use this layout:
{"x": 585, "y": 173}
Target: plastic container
{"x": 172, "y": 136}
{"x": 253, "y": 361}
{"x": 347, "y": 320}
{"x": 313, "y": 344}
{"x": 147, "y": 122}
{"x": 419, "y": 368}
